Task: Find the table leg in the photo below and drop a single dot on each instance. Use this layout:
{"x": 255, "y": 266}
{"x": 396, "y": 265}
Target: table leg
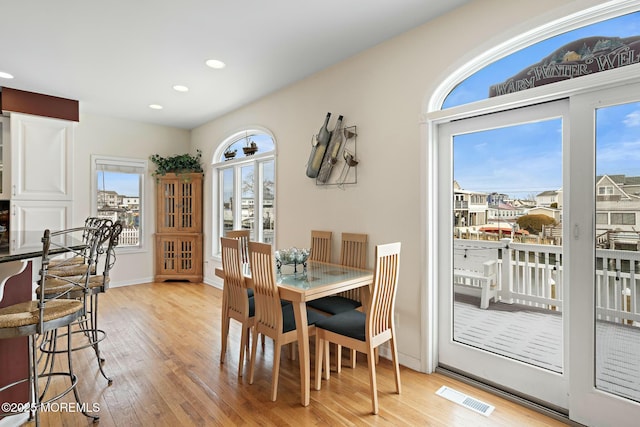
{"x": 300, "y": 313}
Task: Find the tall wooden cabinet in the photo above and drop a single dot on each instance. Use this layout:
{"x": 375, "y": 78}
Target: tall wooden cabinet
{"x": 178, "y": 235}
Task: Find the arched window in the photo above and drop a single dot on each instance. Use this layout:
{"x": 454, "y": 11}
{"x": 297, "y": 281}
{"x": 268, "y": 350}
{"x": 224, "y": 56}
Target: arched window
{"x": 593, "y": 48}
{"x": 244, "y": 184}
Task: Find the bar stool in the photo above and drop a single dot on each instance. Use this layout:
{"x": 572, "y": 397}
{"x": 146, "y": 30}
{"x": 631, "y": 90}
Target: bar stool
{"x": 106, "y": 239}
{"x": 73, "y": 265}
{"x": 34, "y": 319}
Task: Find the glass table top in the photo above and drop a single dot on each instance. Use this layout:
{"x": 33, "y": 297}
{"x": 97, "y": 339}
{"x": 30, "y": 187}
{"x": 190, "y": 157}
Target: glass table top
{"x": 318, "y": 274}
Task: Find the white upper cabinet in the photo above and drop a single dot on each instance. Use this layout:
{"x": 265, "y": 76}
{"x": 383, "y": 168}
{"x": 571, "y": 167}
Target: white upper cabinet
{"x": 5, "y": 161}
{"x": 41, "y": 158}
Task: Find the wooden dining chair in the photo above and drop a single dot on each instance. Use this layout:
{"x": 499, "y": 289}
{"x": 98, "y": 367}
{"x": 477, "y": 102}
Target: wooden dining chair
{"x": 273, "y": 319}
{"x": 365, "y": 331}
{"x": 320, "y": 246}
{"x": 237, "y": 304}
{"x": 353, "y": 253}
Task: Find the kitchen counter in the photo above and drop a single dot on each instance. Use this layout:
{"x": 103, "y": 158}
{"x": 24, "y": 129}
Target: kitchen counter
{"x": 16, "y": 285}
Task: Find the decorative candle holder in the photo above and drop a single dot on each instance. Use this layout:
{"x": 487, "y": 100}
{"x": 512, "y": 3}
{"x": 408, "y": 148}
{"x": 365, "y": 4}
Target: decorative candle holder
{"x": 292, "y": 256}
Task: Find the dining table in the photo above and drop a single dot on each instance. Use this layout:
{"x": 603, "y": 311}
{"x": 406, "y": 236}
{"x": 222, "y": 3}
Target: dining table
{"x": 299, "y": 285}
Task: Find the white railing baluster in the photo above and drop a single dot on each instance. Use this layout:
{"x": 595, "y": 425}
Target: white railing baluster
{"x": 539, "y": 282}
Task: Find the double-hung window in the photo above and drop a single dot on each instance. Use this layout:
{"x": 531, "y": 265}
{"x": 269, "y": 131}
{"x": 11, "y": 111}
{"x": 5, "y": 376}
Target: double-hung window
{"x": 117, "y": 190}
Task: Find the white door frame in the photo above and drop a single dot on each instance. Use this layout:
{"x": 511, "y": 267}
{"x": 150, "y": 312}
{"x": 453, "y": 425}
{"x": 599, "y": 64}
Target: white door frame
{"x": 589, "y": 405}
{"x": 534, "y": 382}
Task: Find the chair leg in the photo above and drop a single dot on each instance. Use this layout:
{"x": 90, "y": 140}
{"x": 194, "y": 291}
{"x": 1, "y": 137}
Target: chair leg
{"x": 33, "y": 377}
{"x": 254, "y": 346}
{"x": 353, "y": 359}
{"x": 95, "y": 337}
{"x": 277, "y": 351}
{"x": 318, "y": 367}
{"x": 394, "y": 359}
{"x": 244, "y": 341}
{"x": 292, "y": 350}
{"x": 224, "y": 333}
{"x": 373, "y": 385}
{"x": 338, "y": 358}
{"x": 74, "y": 378}
{"x": 326, "y": 361}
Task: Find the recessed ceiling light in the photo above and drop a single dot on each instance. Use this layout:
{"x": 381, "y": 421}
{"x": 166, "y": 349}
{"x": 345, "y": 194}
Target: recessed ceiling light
{"x": 214, "y": 63}
{"x": 155, "y": 107}
{"x": 181, "y": 88}
{"x": 5, "y": 75}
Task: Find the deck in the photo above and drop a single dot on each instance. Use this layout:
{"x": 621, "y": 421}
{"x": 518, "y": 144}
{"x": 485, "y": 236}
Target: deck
{"x": 534, "y": 335}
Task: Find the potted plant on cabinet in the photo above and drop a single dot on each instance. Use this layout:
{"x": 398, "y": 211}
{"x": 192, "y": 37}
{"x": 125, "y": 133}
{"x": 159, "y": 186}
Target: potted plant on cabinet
{"x": 179, "y": 164}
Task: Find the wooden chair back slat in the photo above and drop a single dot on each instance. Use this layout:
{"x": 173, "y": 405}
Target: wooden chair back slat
{"x": 234, "y": 282}
{"x": 244, "y": 237}
{"x": 384, "y": 288}
{"x": 265, "y": 289}
{"x": 353, "y": 253}
{"x": 320, "y": 246}
{"x": 353, "y": 250}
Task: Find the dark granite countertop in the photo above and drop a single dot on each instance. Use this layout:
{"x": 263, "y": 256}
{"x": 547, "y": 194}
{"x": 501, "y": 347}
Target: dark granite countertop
{"x": 32, "y": 246}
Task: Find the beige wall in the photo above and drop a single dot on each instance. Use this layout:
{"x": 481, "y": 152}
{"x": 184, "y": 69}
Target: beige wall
{"x": 383, "y": 91}
{"x": 123, "y": 138}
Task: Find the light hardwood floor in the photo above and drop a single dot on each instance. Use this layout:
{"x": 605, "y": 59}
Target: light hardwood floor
{"x": 163, "y": 350}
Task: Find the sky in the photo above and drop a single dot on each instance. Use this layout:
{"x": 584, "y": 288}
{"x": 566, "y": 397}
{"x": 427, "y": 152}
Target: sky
{"x": 124, "y": 184}
{"x": 524, "y": 160}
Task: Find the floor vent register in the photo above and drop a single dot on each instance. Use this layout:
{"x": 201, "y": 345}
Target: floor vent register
{"x": 466, "y": 401}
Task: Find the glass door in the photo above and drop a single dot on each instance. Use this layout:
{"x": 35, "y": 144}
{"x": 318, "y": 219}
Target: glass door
{"x": 605, "y": 342}
{"x": 501, "y": 247}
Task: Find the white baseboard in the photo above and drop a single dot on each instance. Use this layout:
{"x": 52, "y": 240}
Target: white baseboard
{"x": 403, "y": 359}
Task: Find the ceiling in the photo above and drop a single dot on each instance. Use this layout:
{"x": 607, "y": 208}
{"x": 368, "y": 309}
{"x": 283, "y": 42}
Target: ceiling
{"x": 117, "y": 57}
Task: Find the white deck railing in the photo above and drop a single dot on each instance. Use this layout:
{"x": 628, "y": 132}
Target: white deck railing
{"x": 532, "y": 274}
{"x": 129, "y": 237}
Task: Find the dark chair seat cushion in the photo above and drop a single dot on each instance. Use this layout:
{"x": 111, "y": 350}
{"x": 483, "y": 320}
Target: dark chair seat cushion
{"x": 252, "y": 306}
{"x": 289, "y": 321}
{"x": 334, "y": 304}
{"x": 350, "y": 324}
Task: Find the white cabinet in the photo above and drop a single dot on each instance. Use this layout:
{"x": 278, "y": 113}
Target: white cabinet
{"x": 41, "y": 184}
{"x": 29, "y": 219}
{"x": 5, "y": 160}
{"x": 41, "y": 156}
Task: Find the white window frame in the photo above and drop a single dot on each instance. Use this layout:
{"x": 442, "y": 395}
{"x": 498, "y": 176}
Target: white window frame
{"x": 621, "y": 218}
{"x": 130, "y": 165}
{"x": 257, "y": 160}
{"x": 605, "y": 190}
